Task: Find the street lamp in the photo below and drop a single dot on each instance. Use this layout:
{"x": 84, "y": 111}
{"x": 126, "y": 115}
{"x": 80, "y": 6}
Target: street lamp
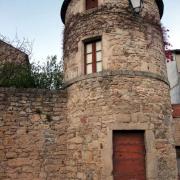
{"x": 136, "y": 5}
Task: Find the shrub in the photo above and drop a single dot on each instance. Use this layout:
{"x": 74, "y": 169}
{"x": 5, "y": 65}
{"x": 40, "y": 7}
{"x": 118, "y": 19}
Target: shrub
{"x": 46, "y": 76}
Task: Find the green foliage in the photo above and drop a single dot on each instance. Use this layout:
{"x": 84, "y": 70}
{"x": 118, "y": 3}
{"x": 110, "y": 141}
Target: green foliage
{"x": 16, "y": 75}
{"x": 49, "y": 75}
{"x": 46, "y": 76}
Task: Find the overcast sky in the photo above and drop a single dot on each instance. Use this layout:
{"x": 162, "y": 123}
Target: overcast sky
{"x": 39, "y": 21}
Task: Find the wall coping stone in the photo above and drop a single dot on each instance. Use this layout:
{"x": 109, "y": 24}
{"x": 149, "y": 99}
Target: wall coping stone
{"x": 11, "y": 46}
{"x": 31, "y": 90}
{"x": 127, "y": 73}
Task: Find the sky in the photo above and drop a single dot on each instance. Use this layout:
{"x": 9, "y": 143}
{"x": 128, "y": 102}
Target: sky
{"x": 39, "y": 21}
{"x": 171, "y": 20}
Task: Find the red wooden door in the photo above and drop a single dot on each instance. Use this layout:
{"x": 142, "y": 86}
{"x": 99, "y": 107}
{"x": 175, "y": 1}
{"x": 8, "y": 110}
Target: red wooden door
{"x": 129, "y": 155}
{"x": 91, "y": 4}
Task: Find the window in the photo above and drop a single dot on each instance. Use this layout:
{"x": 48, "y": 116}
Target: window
{"x": 93, "y": 57}
{"x": 177, "y": 58}
{"x": 178, "y": 160}
{"x": 91, "y": 4}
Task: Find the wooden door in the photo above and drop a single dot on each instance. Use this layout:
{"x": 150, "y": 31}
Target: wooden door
{"x": 129, "y": 155}
{"x": 91, "y": 4}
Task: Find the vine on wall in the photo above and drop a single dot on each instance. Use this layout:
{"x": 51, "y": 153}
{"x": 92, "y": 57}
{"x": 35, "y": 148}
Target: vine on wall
{"x": 167, "y": 44}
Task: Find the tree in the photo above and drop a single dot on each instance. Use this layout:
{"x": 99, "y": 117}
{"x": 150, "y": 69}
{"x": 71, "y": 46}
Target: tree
{"x": 16, "y": 75}
{"x": 46, "y": 76}
{"x": 49, "y": 75}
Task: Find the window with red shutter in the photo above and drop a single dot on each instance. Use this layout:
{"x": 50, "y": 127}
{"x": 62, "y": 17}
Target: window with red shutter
{"x": 91, "y": 4}
{"x": 93, "y": 57}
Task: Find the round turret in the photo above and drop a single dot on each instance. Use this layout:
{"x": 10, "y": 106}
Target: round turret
{"x": 119, "y": 110}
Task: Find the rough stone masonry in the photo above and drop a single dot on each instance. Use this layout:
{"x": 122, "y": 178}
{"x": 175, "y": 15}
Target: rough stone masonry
{"x": 131, "y": 92}
{"x": 32, "y": 134}
{"x": 67, "y": 134}
{"x": 10, "y": 54}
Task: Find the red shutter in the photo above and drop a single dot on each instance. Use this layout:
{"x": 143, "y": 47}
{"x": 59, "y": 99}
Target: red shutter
{"x": 85, "y": 68}
{"x": 91, "y": 4}
{"x": 129, "y": 155}
{"x": 176, "y": 110}
{"x": 94, "y": 57}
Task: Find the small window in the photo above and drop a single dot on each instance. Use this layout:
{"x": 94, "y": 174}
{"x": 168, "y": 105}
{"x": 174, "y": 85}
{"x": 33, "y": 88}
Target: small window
{"x": 93, "y": 57}
{"x": 178, "y": 160}
{"x": 91, "y": 4}
{"x": 177, "y": 58}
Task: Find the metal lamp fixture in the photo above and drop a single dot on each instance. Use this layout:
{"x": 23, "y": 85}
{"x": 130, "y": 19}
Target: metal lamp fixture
{"x": 136, "y": 5}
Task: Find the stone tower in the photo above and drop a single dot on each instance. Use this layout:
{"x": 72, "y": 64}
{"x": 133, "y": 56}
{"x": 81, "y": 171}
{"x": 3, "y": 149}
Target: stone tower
{"x": 119, "y": 111}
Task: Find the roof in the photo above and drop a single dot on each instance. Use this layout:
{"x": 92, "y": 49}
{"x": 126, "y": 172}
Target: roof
{"x": 64, "y": 7}
{"x": 11, "y": 46}
{"x": 5, "y": 44}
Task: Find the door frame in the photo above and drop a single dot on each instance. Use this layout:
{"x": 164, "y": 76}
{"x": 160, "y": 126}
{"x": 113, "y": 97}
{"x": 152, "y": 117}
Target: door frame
{"x": 149, "y": 141}
{"x": 140, "y": 134}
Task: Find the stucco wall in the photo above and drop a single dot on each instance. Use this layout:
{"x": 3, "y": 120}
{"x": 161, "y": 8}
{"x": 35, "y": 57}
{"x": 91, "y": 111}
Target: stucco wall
{"x": 177, "y": 58}
{"x": 174, "y": 78}
{"x": 32, "y": 134}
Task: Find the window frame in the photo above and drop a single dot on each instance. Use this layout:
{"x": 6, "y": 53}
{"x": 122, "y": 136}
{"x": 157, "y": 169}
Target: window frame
{"x": 94, "y": 52}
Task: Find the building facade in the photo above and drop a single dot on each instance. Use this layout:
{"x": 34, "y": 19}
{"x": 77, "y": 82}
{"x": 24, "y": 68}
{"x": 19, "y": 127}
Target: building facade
{"x": 119, "y": 123}
{"x": 173, "y": 70}
{"x": 10, "y": 54}
{"x": 113, "y": 119}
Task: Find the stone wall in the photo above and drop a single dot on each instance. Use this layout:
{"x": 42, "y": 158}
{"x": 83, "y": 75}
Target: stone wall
{"x": 176, "y": 131}
{"x": 131, "y": 92}
{"x": 125, "y": 45}
{"x": 67, "y": 135}
{"x": 78, "y": 7}
{"x": 120, "y": 102}
{"x": 8, "y": 53}
{"x": 32, "y": 134}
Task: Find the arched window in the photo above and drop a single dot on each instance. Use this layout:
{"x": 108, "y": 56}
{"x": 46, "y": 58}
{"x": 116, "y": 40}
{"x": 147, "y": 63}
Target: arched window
{"x": 91, "y": 4}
